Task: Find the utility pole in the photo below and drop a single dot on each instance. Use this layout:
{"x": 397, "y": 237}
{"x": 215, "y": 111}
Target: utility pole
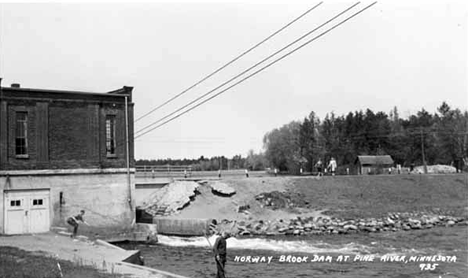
{"x": 422, "y": 151}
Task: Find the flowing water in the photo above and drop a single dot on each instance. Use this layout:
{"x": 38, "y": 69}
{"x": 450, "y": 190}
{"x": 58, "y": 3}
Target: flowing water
{"x": 366, "y": 253}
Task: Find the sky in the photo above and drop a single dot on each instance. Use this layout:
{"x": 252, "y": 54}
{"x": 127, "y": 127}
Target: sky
{"x": 408, "y": 54}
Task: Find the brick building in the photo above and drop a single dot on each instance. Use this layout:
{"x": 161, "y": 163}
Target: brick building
{"x": 63, "y": 151}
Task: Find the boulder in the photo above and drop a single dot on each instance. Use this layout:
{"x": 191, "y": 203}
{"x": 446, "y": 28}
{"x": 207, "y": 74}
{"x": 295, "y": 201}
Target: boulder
{"x": 350, "y": 227}
{"x": 222, "y": 189}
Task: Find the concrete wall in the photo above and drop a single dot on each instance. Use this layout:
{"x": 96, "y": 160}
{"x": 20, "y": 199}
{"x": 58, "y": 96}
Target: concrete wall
{"x": 103, "y": 195}
{"x": 143, "y": 191}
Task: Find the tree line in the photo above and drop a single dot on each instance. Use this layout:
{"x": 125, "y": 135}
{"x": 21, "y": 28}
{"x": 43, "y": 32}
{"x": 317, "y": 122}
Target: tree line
{"x": 253, "y": 161}
{"x": 438, "y": 138}
{"x": 431, "y": 138}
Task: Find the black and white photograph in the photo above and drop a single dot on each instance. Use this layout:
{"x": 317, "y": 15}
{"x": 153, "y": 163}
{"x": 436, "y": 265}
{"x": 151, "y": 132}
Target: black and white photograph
{"x": 234, "y": 139}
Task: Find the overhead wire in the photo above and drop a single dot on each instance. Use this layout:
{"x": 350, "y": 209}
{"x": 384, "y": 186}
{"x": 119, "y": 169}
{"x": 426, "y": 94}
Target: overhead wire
{"x": 229, "y": 63}
{"x": 260, "y": 70}
{"x": 248, "y": 69}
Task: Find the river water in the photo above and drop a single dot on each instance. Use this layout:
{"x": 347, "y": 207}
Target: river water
{"x": 365, "y": 253}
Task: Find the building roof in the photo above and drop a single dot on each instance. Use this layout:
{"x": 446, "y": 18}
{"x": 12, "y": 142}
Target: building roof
{"x": 375, "y": 159}
{"x": 17, "y": 91}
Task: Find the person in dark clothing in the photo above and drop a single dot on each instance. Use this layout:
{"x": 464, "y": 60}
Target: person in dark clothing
{"x": 219, "y": 249}
{"x": 319, "y": 167}
{"x": 73, "y": 221}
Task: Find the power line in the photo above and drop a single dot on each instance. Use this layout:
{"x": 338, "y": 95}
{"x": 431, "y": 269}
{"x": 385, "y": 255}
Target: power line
{"x": 258, "y": 71}
{"x": 230, "y": 62}
{"x": 247, "y": 70}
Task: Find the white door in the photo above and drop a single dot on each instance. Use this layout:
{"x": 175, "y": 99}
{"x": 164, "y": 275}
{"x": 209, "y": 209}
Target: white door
{"x": 39, "y": 213}
{"x": 15, "y": 215}
{"x": 27, "y": 211}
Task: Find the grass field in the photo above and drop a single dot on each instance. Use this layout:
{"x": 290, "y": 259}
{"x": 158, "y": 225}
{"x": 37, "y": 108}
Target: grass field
{"x": 18, "y": 263}
{"x": 375, "y": 196}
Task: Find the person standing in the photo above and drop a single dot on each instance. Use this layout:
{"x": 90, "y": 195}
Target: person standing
{"x": 319, "y": 167}
{"x": 246, "y": 173}
{"x": 332, "y": 165}
{"x": 73, "y": 221}
{"x": 220, "y": 252}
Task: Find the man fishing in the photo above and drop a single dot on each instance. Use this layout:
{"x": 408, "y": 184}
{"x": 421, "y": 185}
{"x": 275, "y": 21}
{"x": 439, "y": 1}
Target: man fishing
{"x": 219, "y": 249}
{"x": 73, "y": 221}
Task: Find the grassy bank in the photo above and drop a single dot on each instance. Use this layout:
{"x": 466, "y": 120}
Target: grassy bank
{"x": 18, "y": 263}
{"x": 375, "y": 196}
{"x": 340, "y": 196}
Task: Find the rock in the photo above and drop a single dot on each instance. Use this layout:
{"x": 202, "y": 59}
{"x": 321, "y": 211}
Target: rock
{"x": 369, "y": 229}
{"x": 296, "y": 232}
{"x": 241, "y": 228}
{"x": 450, "y": 223}
{"x": 288, "y": 232}
{"x": 350, "y": 227}
{"x": 243, "y": 208}
{"x": 222, "y": 188}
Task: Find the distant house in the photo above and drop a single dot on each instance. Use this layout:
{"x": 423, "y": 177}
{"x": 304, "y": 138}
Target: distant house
{"x": 373, "y": 164}
{"x": 63, "y": 151}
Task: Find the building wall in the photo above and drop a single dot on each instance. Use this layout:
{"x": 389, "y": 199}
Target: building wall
{"x": 103, "y": 195}
{"x": 67, "y": 153}
{"x": 63, "y": 133}
{"x": 374, "y": 169}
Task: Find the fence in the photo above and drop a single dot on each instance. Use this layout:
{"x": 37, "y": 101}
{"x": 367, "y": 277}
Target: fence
{"x": 151, "y": 171}
{"x": 175, "y": 171}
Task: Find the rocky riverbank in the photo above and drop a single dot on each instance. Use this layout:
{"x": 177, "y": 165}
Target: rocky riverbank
{"x": 330, "y": 225}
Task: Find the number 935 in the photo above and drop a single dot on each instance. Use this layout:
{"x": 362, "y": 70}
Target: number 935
{"x": 428, "y": 266}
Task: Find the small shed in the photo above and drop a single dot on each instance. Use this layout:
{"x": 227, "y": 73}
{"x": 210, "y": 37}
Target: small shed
{"x": 373, "y": 164}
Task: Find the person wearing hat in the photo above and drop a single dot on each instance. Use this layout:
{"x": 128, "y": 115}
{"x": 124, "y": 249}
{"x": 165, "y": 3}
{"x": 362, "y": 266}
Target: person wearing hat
{"x": 219, "y": 249}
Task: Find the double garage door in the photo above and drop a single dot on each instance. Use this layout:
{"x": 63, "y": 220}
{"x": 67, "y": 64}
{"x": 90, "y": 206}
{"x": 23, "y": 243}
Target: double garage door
{"x": 26, "y": 211}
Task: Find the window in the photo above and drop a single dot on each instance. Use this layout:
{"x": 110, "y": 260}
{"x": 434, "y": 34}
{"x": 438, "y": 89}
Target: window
{"x": 21, "y": 135}
{"x": 110, "y": 135}
{"x": 38, "y": 202}
{"x": 15, "y": 203}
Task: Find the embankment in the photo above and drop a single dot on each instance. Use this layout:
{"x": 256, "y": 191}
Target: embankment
{"x": 298, "y": 205}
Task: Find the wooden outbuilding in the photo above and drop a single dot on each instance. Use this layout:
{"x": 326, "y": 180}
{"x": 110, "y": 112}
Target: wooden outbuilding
{"x": 373, "y": 164}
